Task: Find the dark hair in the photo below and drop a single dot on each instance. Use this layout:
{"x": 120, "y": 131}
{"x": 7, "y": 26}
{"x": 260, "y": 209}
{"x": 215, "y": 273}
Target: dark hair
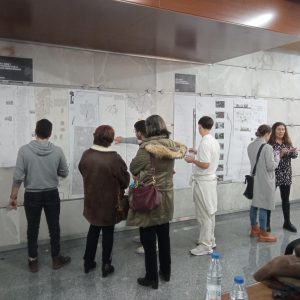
{"x": 140, "y": 126}
{"x": 206, "y": 122}
{"x": 262, "y": 130}
{"x": 104, "y": 135}
{"x": 43, "y": 128}
{"x": 155, "y": 125}
{"x": 286, "y": 139}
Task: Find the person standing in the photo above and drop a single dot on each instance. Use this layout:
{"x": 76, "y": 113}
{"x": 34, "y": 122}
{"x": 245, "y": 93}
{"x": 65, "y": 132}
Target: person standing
{"x": 264, "y": 183}
{"x": 38, "y": 165}
{"x": 154, "y": 224}
{"x": 204, "y": 186}
{"x": 105, "y": 177}
{"x": 281, "y": 143}
{"x": 140, "y": 134}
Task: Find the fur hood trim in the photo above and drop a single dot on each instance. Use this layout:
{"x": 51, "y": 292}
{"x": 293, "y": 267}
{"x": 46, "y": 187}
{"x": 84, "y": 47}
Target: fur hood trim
{"x": 176, "y": 151}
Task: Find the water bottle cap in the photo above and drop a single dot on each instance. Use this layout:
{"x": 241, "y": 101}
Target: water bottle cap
{"x": 239, "y": 279}
{"x": 215, "y": 255}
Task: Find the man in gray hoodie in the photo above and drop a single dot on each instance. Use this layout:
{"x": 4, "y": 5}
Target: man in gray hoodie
{"x": 38, "y": 166}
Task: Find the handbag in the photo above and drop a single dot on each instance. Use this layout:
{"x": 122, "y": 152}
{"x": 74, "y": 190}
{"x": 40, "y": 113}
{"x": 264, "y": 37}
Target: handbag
{"x": 120, "y": 209}
{"x": 249, "y": 179}
{"x": 146, "y": 198}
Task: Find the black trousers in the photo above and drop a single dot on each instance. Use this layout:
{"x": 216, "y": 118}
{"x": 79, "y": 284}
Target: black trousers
{"x": 92, "y": 242}
{"x": 34, "y": 202}
{"x": 148, "y": 238}
{"x": 285, "y": 202}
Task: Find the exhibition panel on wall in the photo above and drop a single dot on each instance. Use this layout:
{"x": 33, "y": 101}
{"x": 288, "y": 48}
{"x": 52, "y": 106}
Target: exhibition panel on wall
{"x": 236, "y": 121}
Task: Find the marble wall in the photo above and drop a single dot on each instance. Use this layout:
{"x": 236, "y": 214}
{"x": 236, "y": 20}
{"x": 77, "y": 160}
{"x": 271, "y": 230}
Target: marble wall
{"x": 264, "y": 74}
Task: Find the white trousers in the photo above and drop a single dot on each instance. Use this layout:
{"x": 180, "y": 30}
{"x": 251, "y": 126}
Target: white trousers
{"x": 205, "y": 218}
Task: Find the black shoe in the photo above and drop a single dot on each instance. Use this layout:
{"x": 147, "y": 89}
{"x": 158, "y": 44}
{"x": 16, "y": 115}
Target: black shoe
{"x": 89, "y": 266}
{"x": 289, "y": 226}
{"x": 164, "y": 277}
{"x": 107, "y": 269}
{"x": 268, "y": 229}
{"x": 146, "y": 282}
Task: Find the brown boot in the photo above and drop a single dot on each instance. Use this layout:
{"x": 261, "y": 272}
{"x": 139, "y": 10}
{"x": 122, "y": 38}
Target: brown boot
{"x": 264, "y": 236}
{"x": 254, "y": 231}
{"x": 60, "y": 261}
{"x": 33, "y": 265}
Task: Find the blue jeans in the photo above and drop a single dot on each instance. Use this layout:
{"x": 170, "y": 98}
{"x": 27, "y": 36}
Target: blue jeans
{"x": 262, "y": 217}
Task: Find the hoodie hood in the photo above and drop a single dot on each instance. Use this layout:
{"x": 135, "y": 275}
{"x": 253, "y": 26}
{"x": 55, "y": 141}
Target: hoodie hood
{"x": 162, "y": 147}
{"x": 41, "y": 148}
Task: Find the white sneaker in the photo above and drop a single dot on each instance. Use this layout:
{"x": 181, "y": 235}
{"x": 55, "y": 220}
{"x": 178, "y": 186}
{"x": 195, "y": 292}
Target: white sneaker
{"x": 140, "y": 250}
{"x": 213, "y": 244}
{"x": 136, "y": 239}
{"x": 201, "y": 250}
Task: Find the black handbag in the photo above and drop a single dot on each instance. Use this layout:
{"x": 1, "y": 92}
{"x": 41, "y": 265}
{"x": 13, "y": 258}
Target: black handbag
{"x": 249, "y": 179}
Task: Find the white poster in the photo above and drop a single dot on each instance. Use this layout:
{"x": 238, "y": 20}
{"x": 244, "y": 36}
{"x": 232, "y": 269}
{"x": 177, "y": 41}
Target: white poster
{"x": 15, "y": 122}
{"x": 184, "y": 107}
{"x": 52, "y": 104}
{"x": 236, "y": 121}
{"x": 83, "y": 120}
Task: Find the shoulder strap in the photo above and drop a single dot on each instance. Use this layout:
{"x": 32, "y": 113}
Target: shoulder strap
{"x": 152, "y": 167}
{"x": 257, "y": 157}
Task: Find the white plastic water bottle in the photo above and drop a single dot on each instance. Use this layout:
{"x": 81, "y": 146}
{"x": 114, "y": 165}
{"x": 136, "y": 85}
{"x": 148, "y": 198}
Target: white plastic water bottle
{"x": 214, "y": 278}
{"x": 238, "y": 292}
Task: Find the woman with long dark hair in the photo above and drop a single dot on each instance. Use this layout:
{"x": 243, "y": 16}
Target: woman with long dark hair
{"x": 154, "y": 224}
{"x": 282, "y": 144}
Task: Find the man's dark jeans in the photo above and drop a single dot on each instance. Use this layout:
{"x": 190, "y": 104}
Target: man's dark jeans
{"x": 34, "y": 202}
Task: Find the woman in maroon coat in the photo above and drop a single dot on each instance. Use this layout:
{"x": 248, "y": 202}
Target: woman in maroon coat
{"x": 105, "y": 177}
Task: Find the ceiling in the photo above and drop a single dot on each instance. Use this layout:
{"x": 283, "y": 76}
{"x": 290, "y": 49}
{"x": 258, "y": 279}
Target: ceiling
{"x": 177, "y": 29}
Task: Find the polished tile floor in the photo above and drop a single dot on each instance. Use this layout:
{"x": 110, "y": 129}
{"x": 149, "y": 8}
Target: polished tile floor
{"x": 239, "y": 255}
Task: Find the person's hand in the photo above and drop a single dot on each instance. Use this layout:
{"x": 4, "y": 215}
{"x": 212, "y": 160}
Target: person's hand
{"x": 192, "y": 150}
{"x": 13, "y": 204}
{"x": 118, "y": 139}
{"x": 293, "y": 149}
{"x": 284, "y": 152}
{"x": 189, "y": 159}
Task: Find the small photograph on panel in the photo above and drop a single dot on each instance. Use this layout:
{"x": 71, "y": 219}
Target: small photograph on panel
{"x": 220, "y": 104}
{"x": 220, "y": 114}
{"x": 245, "y": 128}
{"x": 219, "y": 135}
{"x": 219, "y": 125}
{"x": 220, "y": 177}
{"x": 221, "y": 146}
{"x": 221, "y": 156}
{"x": 220, "y": 168}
